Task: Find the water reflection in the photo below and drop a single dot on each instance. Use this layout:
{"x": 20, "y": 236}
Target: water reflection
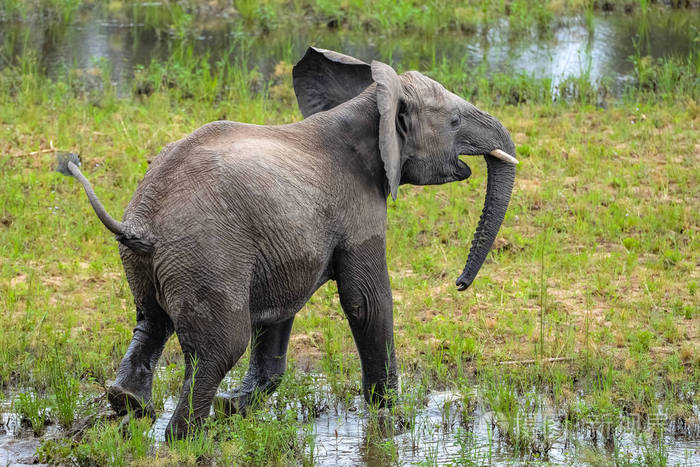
{"x": 442, "y": 430}
{"x": 595, "y": 47}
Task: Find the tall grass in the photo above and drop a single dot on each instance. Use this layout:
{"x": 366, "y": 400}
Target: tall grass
{"x": 666, "y": 78}
{"x": 64, "y": 387}
{"x": 33, "y": 410}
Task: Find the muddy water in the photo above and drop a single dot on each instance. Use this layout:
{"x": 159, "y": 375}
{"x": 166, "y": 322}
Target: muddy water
{"x": 17, "y": 445}
{"x": 597, "y": 47}
{"x": 439, "y": 433}
{"x": 438, "y": 430}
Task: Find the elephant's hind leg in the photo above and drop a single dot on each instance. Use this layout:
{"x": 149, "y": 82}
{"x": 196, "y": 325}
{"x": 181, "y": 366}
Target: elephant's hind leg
{"x": 213, "y": 329}
{"x": 131, "y": 389}
{"x": 268, "y": 362}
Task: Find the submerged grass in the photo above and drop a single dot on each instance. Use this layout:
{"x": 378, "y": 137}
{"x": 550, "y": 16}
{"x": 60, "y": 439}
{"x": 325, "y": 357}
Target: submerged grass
{"x": 596, "y": 263}
{"x": 33, "y": 410}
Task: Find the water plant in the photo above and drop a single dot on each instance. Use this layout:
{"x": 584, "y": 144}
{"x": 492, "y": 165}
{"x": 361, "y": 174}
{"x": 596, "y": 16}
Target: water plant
{"x": 33, "y": 409}
{"x": 65, "y": 395}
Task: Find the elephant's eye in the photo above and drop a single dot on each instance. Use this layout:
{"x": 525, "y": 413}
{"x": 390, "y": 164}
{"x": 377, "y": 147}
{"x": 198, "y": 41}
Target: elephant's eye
{"x": 454, "y": 123}
{"x": 402, "y": 123}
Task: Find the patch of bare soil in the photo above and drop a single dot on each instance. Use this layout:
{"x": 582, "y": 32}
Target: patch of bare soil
{"x": 306, "y": 349}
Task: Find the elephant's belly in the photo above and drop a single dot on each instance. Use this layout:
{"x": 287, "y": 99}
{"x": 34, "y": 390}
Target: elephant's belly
{"x": 279, "y": 290}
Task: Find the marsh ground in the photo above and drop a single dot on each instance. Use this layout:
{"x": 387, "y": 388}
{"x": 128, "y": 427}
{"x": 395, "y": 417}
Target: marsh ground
{"x": 583, "y": 325}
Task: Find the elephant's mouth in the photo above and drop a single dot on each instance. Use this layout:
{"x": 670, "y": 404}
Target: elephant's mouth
{"x": 462, "y": 171}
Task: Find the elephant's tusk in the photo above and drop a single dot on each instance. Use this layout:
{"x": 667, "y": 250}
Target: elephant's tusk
{"x": 504, "y": 156}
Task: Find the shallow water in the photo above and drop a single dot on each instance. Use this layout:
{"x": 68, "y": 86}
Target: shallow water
{"x": 597, "y": 48}
{"x": 17, "y": 446}
{"x": 438, "y": 430}
{"x": 442, "y": 432}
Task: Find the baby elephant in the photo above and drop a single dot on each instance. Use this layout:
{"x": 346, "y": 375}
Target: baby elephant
{"x": 235, "y": 226}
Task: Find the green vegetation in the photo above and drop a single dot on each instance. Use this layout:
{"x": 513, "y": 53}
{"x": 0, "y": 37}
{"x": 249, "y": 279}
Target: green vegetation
{"x": 589, "y": 302}
{"x": 181, "y": 17}
{"x": 32, "y": 409}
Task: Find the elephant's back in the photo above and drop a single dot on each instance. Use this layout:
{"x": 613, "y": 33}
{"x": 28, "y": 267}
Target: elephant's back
{"x": 233, "y": 179}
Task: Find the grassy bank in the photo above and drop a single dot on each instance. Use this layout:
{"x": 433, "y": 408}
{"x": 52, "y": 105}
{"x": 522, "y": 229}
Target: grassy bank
{"x": 596, "y": 264}
{"x": 378, "y": 16}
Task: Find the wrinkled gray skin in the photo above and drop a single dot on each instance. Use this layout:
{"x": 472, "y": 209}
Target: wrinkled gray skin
{"x": 234, "y": 227}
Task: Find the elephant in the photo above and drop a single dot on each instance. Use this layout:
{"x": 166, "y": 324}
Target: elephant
{"x": 234, "y": 227}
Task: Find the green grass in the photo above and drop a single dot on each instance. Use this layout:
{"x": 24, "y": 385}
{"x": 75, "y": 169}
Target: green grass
{"x": 596, "y": 262}
{"x": 32, "y": 408}
{"x": 183, "y": 17}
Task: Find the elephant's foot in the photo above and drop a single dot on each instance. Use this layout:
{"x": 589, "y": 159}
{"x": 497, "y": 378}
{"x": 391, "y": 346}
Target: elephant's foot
{"x": 382, "y": 394}
{"x": 255, "y": 386}
{"x": 131, "y": 390}
{"x": 234, "y": 402}
{"x": 242, "y": 397}
{"x": 124, "y": 401}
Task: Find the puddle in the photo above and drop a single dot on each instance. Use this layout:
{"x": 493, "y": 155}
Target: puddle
{"x": 442, "y": 432}
{"x": 18, "y": 452}
{"x": 17, "y": 445}
{"x": 158, "y": 430}
{"x": 341, "y": 439}
{"x": 595, "y": 48}
{"x": 436, "y": 427}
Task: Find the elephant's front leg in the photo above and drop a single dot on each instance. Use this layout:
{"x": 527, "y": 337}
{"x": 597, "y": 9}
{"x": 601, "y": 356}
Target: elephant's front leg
{"x": 268, "y": 362}
{"x": 365, "y": 295}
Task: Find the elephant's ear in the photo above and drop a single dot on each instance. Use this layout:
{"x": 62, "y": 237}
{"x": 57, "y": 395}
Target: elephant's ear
{"x": 323, "y": 79}
{"x": 388, "y": 99}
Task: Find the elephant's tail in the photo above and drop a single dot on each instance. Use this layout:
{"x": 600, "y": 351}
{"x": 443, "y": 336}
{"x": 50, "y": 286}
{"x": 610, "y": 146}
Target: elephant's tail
{"x": 68, "y": 165}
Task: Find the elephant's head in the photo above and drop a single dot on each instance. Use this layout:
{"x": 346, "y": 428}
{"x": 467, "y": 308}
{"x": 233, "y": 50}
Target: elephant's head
{"x": 423, "y": 129}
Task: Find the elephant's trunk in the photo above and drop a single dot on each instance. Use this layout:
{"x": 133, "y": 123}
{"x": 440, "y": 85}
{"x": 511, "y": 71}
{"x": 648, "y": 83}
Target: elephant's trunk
{"x": 501, "y": 176}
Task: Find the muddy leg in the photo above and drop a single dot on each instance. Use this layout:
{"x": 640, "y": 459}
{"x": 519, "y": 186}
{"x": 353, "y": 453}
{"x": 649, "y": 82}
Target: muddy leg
{"x": 213, "y": 332}
{"x": 268, "y": 362}
{"x": 132, "y": 387}
{"x": 365, "y": 295}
